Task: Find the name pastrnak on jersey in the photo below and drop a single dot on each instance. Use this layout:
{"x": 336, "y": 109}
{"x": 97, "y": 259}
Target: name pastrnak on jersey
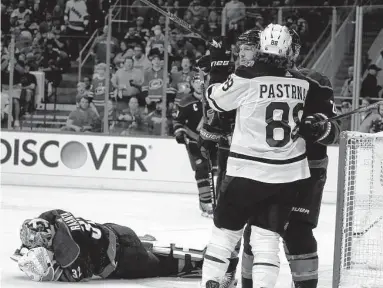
{"x": 269, "y": 105}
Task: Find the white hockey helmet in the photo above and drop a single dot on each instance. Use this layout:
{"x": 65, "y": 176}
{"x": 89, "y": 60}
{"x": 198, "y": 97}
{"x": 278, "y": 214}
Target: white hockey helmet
{"x": 276, "y": 40}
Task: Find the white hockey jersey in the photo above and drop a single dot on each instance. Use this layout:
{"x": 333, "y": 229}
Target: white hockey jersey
{"x": 269, "y": 108}
{"x": 76, "y": 13}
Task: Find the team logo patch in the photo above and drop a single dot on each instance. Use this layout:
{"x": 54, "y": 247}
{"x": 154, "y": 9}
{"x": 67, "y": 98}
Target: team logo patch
{"x": 155, "y": 84}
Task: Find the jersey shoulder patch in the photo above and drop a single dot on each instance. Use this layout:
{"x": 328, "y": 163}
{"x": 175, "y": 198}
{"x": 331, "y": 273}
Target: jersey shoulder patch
{"x": 187, "y": 101}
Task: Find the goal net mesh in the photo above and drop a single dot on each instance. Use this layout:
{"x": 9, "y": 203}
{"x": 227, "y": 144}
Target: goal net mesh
{"x": 359, "y": 231}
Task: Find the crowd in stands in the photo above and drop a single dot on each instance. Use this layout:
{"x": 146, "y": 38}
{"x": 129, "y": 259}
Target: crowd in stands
{"x": 49, "y": 35}
{"x": 371, "y": 121}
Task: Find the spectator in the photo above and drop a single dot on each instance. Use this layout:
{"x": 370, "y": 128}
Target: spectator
{"x": 28, "y": 88}
{"x": 370, "y": 86}
{"x": 138, "y": 9}
{"x": 155, "y": 120}
{"x": 50, "y": 64}
{"x": 198, "y": 12}
{"x": 99, "y": 89}
{"x": 88, "y": 84}
{"x": 4, "y": 110}
{"x": 83, "y": 118}
{"x": 154, "y": 81}
{"x": 16, "y": 88}
{"x": 156, "y": 41}
{"x": 127, "y": 81}
{"x": 214, "y": 28}
{"x": 188, "y": 17}
{"x": 345, "y": 123}
{"x": 141, "y": 30}
{"x": 85, "y": 89}
{"x": 182, "y": 46}
{"x": 132, "y": 37}
{"x": 140, "y": 60}
{"x": 373, "y": 122}
{"x": 123, "y": 54}
{"x": 57, "y": 12}
{"x": 348, "y": 86}
{"x": 19, "y": 14}
{"x": 133, "y": 120}
{"x": 5, "y": 19}
{"x": 76, "y": 19}
{"x": 364, "y": 102}
{"x": 181, "y": 81}
{"x": 100, "y": 47}
{"x": 234, "y": 13}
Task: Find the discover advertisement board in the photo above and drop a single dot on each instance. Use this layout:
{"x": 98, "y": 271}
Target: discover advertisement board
{"x": 94, "y": 157}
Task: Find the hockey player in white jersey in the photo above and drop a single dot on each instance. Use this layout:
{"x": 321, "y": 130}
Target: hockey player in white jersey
{"x": 267, "y": 167}
{"x": 299, "y": 241}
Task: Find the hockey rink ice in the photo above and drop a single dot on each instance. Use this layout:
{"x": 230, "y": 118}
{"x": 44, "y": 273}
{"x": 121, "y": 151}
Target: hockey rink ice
{"x": 172, "y": 218}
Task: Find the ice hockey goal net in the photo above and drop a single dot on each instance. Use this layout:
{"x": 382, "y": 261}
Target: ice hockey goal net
{"x": 358, "y": 254}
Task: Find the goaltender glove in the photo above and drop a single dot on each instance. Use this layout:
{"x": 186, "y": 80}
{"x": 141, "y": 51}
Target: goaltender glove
{"x": 38, "y": 265}
{"x": 313, "y": 131}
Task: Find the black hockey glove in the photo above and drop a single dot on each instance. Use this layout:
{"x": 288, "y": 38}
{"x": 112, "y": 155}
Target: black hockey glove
{"x": 180, "y": 136}
{"x": 311, "y": 130}
{"x": 208, "y": 139}
{"x": 203, "y": 63}
{"x": 220, "y": 55}
{"x": 377, "y": 126}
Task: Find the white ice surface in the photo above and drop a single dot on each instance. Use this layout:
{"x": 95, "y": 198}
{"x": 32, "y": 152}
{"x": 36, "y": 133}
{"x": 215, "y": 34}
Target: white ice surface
{"x": 169, "y": 217}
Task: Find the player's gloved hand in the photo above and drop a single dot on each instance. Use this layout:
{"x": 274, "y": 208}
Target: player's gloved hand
{"x": 311, "y": 130}
{"x": 208, "y": 139}
{"x": 180, "y": 136}
{"x": 220, "y": 55}
{"x": 203, "y": 63}
{"x": 39, "y": 265}
{"x": 377, "y": 126}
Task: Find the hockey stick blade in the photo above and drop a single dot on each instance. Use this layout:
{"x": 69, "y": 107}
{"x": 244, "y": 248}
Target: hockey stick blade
{"x": 358, "y": 110}
{"x": 362, "y": 233}
{"x": 177, "y": 20}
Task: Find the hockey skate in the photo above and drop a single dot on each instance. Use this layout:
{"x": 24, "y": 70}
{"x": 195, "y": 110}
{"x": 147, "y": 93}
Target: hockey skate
{"x": 207, "y": 209}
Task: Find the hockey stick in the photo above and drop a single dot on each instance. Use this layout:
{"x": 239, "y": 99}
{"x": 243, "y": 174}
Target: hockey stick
{"x": 177, "y": 20}
{"x": 347, "y": 114}
{"x": 204, "y": 120}
{"x": 362, "y": 233}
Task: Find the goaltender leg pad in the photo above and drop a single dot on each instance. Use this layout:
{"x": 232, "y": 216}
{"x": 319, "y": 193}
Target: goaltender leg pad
{"x": 307, "y": 207}
{"x": 301, "y": 252}
{"x": 265, "y": 248}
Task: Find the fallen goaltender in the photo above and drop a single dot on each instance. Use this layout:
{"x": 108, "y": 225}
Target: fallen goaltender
{"x": 57, "y": 246}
